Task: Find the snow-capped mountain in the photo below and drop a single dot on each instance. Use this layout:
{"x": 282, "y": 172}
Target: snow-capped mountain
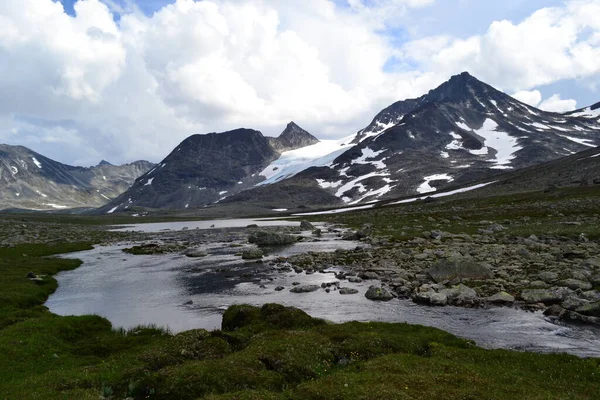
{"x": 462, "y": 131}
{"x": 205, "y": 169}
{"x": 29, "y": 180}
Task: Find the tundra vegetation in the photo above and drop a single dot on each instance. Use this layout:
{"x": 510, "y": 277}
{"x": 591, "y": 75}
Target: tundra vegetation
{"x": 274, "y": 352}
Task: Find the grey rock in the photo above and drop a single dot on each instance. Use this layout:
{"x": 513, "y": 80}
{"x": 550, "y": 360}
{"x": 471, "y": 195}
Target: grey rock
{"x": 546, "y": 296}
{"x": 354, "y": 279}
{"x": 591, "y": 310}
{"x": 438, "y": 299}
{"x": 378, "y": 294}
{"x": 196, "y": 254}
{"x": 346, "y": 290}
{"x": 266, "y": 238}
{"x": 460, "y": 295}
{"x": 548, "y": 276}
{"x": 306, "y": 226}
{"x": 575, "y": 284}
{"x": 305, "y": 288}
{"x": 501, "y": 297}
{"x": 253, "y": 254}
{"x": 450, "y": 269}
{"x": 279, "y": 288}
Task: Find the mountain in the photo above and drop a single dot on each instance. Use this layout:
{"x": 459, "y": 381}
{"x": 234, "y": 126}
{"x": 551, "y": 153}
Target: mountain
{"x": 462, "y": 131}
{"x": 29, "y": 180}
{"x": 293, "y": 137}
{"x": 205, "y": 169}
{"x": 592, "y": 112}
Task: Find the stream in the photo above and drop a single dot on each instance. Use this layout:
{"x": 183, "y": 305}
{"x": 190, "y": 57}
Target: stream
{"x": 184, "y": 293}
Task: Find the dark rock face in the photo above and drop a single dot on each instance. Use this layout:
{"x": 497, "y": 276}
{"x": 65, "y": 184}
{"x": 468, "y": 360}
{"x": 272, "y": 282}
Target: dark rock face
{"x": 31, "y": 180}
{"x": 202, "y": 170}
{"x": 293, "y": 137}
{"x": 460, "y": 132}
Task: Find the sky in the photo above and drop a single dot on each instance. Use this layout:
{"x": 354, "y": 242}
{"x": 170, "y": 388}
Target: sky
{"x": 122, "y": 80}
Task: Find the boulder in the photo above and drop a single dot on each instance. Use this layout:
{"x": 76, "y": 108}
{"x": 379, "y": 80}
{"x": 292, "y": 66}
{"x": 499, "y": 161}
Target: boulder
{"x": 575, "y": 284}
{"x": 354, "y": 279}
{"x": 252, "y": 254}
{"x": 346, "y": 290}
{"x": 266, "y": 238}
{"x": 460, "y": 295}
{"x": 501, "y": 298}
{"x": 378, "y": 294}
{"x": 305, "y": 288}
{"x": 306, "y": 226}
{"x": 546, "y": 296}
{"x": 196, "y": 254}
{"x": 459, "y": 268}
{"x": 590, "y": 310}
{"x": 438, "y": 299}
{"x": 279, "y": 288}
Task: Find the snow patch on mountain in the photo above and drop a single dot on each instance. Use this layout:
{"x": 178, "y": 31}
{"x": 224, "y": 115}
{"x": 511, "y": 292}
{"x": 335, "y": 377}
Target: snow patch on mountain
{"x": 356, "y": 183}
{"x": 444, "y": 194}
{"x": 587, "y": 113}
{"x": 426, "y": 188}
{"x": 326, "y": 185}
{"x": 368, "y": 154}
{"x": 149, "y": 182}
{"x": 36, "y": 162}
{"x": 292, "y": 162}
{"x": 585, "y": 142}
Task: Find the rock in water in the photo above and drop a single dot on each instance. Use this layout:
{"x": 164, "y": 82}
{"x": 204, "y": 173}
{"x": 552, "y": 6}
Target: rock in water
{"x": 501, "y": 297}
{"x": 305, "y": 288}
{"x": 346, "y": 290}
{"x": 253, "y": 254}
{"x": 306, "y": 226}
{"x": 378, "y": 294}
{"x": 266, "y": 238}
{"x": 451, "y": 269}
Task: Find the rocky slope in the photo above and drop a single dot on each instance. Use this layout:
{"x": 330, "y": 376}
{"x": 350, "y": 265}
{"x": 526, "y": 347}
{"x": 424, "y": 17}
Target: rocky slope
{"x": 462, "y": 131}
{"x": 205, "y": 169}
{"x": 29, "y": 180}
{"x": 293, "y": 137}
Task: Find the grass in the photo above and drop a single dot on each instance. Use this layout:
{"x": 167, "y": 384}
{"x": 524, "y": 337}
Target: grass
{"x": 522, "y": 214}
{"x": 274, "y": 352}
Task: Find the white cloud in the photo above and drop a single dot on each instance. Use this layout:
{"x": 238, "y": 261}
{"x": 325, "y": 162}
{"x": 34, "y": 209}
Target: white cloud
{"x": 135, "y": 89}
{"x": 85, "y": 88}
{"x": 533, "y": 97}
{"x": 556, "y": 104}
{"x": 550, "y": 45}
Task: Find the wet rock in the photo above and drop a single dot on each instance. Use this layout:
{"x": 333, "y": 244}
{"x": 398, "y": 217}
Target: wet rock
{"x": 450, "y": 269}
{"x": 279, "y": 288}
{"x": 546, "y": 296}
{"x": 346, "y": 290}
{"x": 252, "y": 226}
{"x": 354, "y": 279}
{"x": 554, "y": 311}
{"x": 305, "y": 288}
{"x": 306, "y": 226}
{"x": 501, "y": 298}
{"x": 438, "y": 299}
{"x": 317, "y": 232}
{"x": 378, "y": 294}
{"x": 196, "y": 254}
{"x": 31, "y": 275}
{"x": 253, "y": 254}
{"x": 266, "y": 238}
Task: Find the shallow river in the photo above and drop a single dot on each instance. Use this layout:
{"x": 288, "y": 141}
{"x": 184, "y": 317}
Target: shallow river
{"x": 130, "y": 290}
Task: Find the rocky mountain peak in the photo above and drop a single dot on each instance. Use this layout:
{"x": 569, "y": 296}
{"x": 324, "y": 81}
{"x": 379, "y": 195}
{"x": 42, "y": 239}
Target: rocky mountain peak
{"x": 293, "y": 137}
{"x": 103, "y": 162}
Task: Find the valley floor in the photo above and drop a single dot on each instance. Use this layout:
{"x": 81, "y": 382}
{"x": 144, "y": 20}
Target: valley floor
{"x": 535, "y": 244}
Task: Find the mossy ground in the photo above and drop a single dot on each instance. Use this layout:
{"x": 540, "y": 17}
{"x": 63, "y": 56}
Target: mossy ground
{"x": 275, "y": 352}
